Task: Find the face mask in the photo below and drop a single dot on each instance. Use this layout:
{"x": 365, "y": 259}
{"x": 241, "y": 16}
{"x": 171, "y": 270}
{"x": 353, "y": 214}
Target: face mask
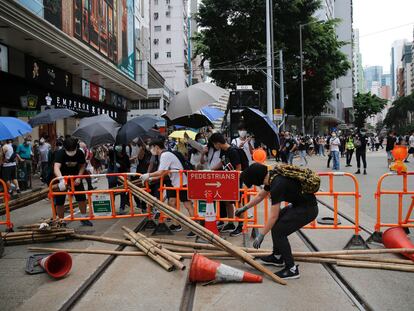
{"x": 118, "y": 148}
{"x": 42, "y": 141}
{"x": 71, "y": 153}
{"x": 201, "y": 141}
{"x": 242, "y": 133}
{"x": 333, "y": 135}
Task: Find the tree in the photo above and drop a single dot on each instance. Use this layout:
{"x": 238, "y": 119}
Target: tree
{"x": 366, "y": 105}
{"x": 397, "y": 116}
{"x": 233, "y": 40}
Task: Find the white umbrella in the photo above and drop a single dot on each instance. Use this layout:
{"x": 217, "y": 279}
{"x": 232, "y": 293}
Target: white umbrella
{"x": 192, "y": 99}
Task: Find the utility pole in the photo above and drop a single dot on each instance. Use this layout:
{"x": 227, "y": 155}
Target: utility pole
{"x": 269, "y": 73}
{"x": 190, "y": 67}
{"x": 302, "y": 100}
{"x": 282, "y": 87}
{"x": 272, "y": 53}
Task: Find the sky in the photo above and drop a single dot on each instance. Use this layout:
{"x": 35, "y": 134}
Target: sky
{"x": 375, "y": 16}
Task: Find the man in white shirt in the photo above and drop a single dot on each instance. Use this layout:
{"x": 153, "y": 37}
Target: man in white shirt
{"x": 9, "y": 166}
{"x": 411, "y": 144}
{"x": 244, "y": 142}
{"x": 168, "y": 161}
{"x": 334, "y": 148}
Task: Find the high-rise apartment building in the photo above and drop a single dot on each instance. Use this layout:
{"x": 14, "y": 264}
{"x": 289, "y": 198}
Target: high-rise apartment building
{"x": 372, "y": 74}
{"x": 358, "y": 71}
{"x": 169, "y": 41}
{"x": 396, "y": 55}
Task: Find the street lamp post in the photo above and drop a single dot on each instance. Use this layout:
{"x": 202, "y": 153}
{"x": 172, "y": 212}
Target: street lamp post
{"x": 302, "y": 99}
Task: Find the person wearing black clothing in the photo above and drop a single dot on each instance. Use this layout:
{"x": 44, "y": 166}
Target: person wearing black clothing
{"x": 391, "y": 140}
{"x": 70, "y": 160}
{"x": 360, "y": 143}
{"x": 230, "y": 161}
{"x": 118, "y": 163}
{"x": 289, "y": 147}
{"x": 303, "y": 208}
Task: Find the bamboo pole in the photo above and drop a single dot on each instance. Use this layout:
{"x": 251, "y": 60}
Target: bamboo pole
{"x": 355, "y": 252}
{"x": 168, "y": 251}
{"x": 158, "y": 259}
{"x": 154, "y": 249}
{"x": 86, "y": 251}
{"x": 202, "y": 232}
{"x": 102, "y": 239}
{"x": 373, "y": 265}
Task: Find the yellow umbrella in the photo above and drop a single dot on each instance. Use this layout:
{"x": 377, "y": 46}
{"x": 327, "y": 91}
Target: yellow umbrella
{"x": 180, "y": 134}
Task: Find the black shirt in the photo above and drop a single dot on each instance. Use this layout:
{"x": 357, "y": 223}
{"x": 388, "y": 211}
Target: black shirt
{"x": 230, "y": 156}
{"x": 284, "y": 189}
{"x": 69, "y": 165}
{"x": 390, "y": 143}
{"x": 364, "y": 140}
{"x": 289, "y": 144}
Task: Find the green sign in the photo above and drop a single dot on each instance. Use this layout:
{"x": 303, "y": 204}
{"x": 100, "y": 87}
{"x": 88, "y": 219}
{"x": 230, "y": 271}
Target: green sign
{"x": 101, "y": 204}
{"x": 27, "y": 113}
{"x": 202, "y": 208}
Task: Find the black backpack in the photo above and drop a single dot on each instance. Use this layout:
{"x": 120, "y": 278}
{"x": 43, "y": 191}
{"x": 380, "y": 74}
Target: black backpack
{"x": 244, "y": 161}
{"x": 185, "y": 163}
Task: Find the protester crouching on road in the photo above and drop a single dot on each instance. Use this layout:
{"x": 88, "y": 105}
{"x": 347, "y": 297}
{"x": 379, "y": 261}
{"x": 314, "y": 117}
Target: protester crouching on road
{"x": 302, "y": 210}
{"x": 168, "y": 161}
{"x": 334, "y": 143}
{"x": 118, "y": 163}
{"x": 361, "y": 141}
{"x": 9, "y": 166}
{"x": 70, "y": 160}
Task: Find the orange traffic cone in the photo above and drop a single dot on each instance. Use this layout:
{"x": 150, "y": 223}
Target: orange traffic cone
{"x": 211, "y": 218}
{"x": 57, "y": 265}
{"x": 397, "y": 238}
{"x": 206, "y": 270}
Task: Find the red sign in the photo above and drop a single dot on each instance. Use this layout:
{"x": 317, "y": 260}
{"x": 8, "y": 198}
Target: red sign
{"x": 223, "y": 186}
{"x": 94, "y": 92}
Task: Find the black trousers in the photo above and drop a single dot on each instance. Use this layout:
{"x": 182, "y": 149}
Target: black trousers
{"x": 349, "y": 154}
{"x": 361, "y": 155}
{"x": 291, "y": 219}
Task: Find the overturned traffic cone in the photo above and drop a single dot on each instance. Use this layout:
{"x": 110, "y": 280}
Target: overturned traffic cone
{"x": 57, "y": 265}
{"x": 397, "y": 238}
{"x": 206, "y": 270}
{"x": 211, "y": 217}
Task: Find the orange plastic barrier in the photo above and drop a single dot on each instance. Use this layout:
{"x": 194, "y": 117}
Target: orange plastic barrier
{"x": 70, "y": 192}
{"x": 5, "y": 196}
{"x": 244, "y": 199}
{"x": 403, "y": 221}
{"x": 356, "y": 240}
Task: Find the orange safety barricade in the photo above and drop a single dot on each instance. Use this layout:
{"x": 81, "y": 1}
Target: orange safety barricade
{"x": 245, "y": 197}
{"x": 356, "y": 240}
{"x": 5, "y": 196}
{"x": 405, "y": 222}
{"x": 105, "y": 213}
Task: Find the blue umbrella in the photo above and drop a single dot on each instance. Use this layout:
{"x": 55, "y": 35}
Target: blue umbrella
{"x": 212, "y": 113}
{"x": 12, "y": 127}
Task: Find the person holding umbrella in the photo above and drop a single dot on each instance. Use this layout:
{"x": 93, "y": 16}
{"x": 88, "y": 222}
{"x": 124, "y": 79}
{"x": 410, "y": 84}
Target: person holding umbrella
{"x": 70, "y": 160}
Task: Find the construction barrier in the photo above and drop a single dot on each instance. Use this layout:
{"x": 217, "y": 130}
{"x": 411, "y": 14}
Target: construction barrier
{"x": 101, "y": 202}
{"x": 5, "y": 196}
{"x": 402, "y": 221}
{"x": 245, "y": 195}
{"x": 356, "y": 240}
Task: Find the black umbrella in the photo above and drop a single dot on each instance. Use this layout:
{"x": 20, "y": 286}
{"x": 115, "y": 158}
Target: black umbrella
{"x": 50, "y": 116}
{"x": 136, "y": 127}
{"x": 262, "y": 127}
{"x": 195, "y": 121}
{"x": 97, "y": 130}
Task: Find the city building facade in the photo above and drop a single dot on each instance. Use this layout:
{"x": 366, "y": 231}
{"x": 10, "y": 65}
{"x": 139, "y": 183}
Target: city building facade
{"x": 396, "y": 55}
{"x": 169, "y": 41}
{"x": 372, "y": 74}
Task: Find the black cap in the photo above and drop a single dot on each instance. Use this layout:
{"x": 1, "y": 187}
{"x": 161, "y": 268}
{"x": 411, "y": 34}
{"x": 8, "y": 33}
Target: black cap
{"x": 254, "y": 175}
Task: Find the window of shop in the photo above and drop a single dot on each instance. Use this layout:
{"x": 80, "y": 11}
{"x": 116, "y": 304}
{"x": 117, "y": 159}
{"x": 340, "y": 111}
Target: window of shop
{"x": 156, "y": 15}
{"x": 168, "y": 40}
{"x": 168, "y": 13}
{"x": 168, "y": 27}
{"x": 157, "y": 28}
{"x": 156, "y": 55}
{"x": 156, "y": 41}
{"x": 168, "y": 54}
{"x": 150, "y": 104}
